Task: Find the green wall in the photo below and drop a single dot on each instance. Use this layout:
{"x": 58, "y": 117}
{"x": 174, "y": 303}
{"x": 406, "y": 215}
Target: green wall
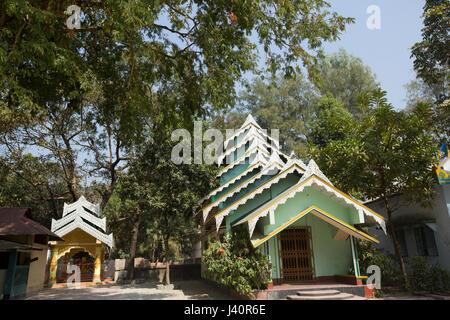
{"x": 330, "y": 256}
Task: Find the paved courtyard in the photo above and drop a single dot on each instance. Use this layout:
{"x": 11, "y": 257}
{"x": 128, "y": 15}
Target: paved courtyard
{"x": 184, "y": 290}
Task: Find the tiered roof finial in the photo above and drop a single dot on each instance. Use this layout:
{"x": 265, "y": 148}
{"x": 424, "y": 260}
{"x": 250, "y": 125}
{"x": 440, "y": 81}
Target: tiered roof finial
{"x": 77, "y": 215}
{"x": 251, "y": 120}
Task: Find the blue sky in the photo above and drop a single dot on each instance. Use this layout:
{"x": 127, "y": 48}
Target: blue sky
{"x": 387, "y": 50}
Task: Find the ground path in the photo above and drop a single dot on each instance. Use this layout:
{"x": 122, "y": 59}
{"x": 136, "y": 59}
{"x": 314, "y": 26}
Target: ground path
{"x": 184, "y": 290}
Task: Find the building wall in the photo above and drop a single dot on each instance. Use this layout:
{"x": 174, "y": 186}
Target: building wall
{"x": 331, "y": 257}
{"x": 442, "y": 216}
{"x": 409, "y": 216}
{"x": 36, "y": 274}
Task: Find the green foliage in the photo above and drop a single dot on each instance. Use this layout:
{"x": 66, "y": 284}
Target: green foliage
{"x": 431, "y": 55}
{"x": 32, "y": 182}
{"x": 197, "y": 48}
{"x": 283, "y": 104}
{"x": 164, "y": 196}
{"x": 332, "y": 123}
{"x": 419, "y": 92}
{"x": 234, "y": 263}
{"x": 428, "y": 278}
{"x": 390, "y": 271}
{"x": 327, "y": 99}
{"x": 388, "y": 152}
{"x": 345, "y": 77}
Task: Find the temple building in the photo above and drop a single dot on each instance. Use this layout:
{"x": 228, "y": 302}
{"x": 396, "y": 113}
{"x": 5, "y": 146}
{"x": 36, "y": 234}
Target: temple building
{"x": 304, "y": 224}
{"x": 84, "y": 245}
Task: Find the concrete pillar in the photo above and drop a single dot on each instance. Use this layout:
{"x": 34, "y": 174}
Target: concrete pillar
{"x": 354, "y": 257}
{"x": 98, "y": 264}
{"x": 53, "y": 267}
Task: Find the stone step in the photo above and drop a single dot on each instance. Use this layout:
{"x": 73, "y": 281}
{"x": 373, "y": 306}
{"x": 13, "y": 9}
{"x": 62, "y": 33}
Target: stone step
{"x": 340, "y": 296}
{"x": 327, "y": 292}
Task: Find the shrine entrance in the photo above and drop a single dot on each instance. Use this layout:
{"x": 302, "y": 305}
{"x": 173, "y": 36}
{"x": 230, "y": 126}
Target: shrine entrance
{"x": 79, "y": 258}
{"x": 296, "y": 254}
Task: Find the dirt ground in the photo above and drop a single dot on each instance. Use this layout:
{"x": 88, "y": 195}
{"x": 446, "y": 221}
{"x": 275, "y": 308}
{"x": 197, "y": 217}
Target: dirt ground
{"x": 183, "y": 290}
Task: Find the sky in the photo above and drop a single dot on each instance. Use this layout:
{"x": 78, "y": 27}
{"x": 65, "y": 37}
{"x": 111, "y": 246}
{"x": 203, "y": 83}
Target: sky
{"x": 386, "y": 50}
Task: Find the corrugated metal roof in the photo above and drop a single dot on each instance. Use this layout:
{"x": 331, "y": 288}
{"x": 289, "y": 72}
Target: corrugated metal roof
{"x": 17, "y": 221}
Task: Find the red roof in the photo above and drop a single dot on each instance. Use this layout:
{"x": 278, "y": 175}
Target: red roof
{"x": 17, "y": 221}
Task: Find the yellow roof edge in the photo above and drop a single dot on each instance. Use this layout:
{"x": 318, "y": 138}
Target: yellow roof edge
{"x": 302, "y": 214}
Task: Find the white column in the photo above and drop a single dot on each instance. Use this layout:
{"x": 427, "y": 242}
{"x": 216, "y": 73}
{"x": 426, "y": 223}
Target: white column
{"x": 355, "y": 258}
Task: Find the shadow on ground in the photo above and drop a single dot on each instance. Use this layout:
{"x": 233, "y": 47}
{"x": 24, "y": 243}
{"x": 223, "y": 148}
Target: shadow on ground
{"x": 184, "y": 290}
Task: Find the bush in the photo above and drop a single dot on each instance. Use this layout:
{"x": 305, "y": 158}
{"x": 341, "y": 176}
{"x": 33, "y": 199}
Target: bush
{"x": 391, "y": 274}
{"x": 428, "y": 278}
{"x": 236, "y": 264}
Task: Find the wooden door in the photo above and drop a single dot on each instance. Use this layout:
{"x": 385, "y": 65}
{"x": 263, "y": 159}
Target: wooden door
{"x": 296, "y": 254}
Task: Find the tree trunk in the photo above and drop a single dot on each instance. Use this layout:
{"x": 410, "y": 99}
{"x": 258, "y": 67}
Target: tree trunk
{"x": 166, "y": 248}
{"x": 396, "y": 244}
{"x": 134, "y": 237}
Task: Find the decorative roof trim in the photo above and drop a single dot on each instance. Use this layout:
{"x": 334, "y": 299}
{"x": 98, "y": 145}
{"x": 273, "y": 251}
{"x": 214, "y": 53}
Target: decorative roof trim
{"x": 313, "y": 169}
{"x": 219, "y": 217}
{"x": 79, "y": 223}
{"x": 322, "y": 215}
{"x": 291, "y": 192}
{"x": 79, "y": 212}
{"x": 243, "y": 157}
{"x": 239, "y": 187}
{"x": 258, "y": 129}
{"x": 82, "y": 202}
{"x": 226, "y": 184}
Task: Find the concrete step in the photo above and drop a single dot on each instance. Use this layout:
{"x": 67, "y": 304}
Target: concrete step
{"x": 340, "y": 296}
{"x": 327, "y": 292}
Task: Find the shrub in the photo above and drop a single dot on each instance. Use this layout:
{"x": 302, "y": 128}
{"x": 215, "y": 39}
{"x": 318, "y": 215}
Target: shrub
{"x": 391, "y": 274}
{"x": 428, "y": 278}
{"x": 236, "y": 264}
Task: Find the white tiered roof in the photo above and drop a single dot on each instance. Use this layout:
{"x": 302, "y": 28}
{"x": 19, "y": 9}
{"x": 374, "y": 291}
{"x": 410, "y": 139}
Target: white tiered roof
{"x": 75, "y": 216}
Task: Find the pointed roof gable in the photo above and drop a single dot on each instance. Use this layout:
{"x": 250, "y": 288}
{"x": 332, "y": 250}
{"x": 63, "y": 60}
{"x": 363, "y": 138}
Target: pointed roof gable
{"x": 313, "y": 169}
{"x": 250, "y": 120}
{"x": 75, "y": 216}
{"x": 326, "y": 186}
{"x": 247, "y": 126}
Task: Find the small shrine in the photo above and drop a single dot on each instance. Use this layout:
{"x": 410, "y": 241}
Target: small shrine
{"x": 84, "y": 245}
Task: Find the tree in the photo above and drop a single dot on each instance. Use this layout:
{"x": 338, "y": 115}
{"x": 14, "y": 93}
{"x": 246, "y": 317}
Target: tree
{"x": 198, "y": 48}
{"x": 158, "y": 193}
{"x": 418, "y": 91}
{"x": 286, "y": 104}
{"x": 33, "y": 182}
{"x": 390, "y": 152}
{"x": 345, "y": 77}
{"x": 431, "y": 55}
{"x": 332, "y": 122}
{"x": 96, "y": 89}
